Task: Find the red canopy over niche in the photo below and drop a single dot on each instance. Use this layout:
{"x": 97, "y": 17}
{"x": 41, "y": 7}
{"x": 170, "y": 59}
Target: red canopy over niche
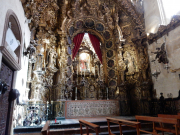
{"x": 94, "y": 40}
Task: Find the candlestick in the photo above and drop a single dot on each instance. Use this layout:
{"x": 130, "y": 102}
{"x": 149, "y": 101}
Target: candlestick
{"x": 76, "y": 94}
{"x": 94, "y": 71}
{"x": 77, "y": 69}
{"x": 107, "y": 92}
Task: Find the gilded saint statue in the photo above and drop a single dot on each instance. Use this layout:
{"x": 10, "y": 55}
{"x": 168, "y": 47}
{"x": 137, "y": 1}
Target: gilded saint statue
{"x": 129, "y": 60}
{"x": 51, "y": 58}
{"x": 122, "y": 66}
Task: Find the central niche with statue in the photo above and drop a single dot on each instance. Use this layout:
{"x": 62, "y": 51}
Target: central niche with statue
{"x": 88, "y": 72}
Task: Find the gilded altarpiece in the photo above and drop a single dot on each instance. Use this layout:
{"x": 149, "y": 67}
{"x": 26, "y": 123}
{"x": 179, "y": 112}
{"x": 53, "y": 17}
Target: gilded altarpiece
{"x": 124, "y": 71}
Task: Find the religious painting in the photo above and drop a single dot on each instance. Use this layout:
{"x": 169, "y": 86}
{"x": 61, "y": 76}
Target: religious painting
{"x": 107, "y": 35}
{"x": 110, "y": 53}
{"x": 84, "y": 62}
{"x": 89, "y": 23}
{"x": 71, "y": 30}
{"x": 69, "y": 50}
{"x": 112, "y": 83}
{"x": 99, "y": 27}
{"x": 109, "y": 44}
{"x": 69, "y": 61}
{"x": 111, "y": 73}
{"x": 69, "y": 40}
{"x": 79, "y": 24}
{"x": 69, "y": 71}
{"x": 110, "y": 63}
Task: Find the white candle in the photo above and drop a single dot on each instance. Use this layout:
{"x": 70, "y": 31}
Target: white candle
{"x": 107, "y": 92}
{"x": 94, "y": 71}
{"x": 76, "y": 94}
{"x": 77, "y": 69}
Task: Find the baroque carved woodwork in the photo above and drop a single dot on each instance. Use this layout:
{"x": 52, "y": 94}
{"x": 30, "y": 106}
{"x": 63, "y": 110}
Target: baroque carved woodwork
{"x": 118, "y": 25}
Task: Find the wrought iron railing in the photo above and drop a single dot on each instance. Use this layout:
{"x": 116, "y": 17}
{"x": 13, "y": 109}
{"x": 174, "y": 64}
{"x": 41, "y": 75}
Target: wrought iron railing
{"x": 37, "y": 114}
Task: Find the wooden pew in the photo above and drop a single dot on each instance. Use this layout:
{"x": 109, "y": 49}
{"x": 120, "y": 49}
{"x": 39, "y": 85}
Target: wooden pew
{"x": 161, "y": 121}
{"x": 122, "y": 122}
{"x": 88, "y": 125}
{"x": 45, "y": 130}
{"x": 171, "y": 116}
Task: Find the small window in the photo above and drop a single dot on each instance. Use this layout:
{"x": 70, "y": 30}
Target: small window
{"x": 171, "y": 7}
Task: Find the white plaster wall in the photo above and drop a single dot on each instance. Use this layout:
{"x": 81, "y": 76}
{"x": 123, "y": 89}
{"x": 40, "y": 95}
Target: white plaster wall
{"x": 20, "y": 77}
{"x": 152, "y": 16}
{"x": 168, "y": 81}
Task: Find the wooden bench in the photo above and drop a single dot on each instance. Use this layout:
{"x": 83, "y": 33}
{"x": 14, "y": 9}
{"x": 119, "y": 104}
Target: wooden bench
{"x": 88, "y": 126}
{"x": 45, "y": 130}
{"x": 171, "y": 116}
{"x": 161, "y": 121}
{"x": 122, "y": 122}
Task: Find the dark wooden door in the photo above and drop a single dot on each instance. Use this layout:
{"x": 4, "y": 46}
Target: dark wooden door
{"x": 6, "y": 75}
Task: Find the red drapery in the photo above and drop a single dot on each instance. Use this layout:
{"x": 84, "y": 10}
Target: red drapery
{"x": 96, "y": 44}
{"x": 77, "y": 42}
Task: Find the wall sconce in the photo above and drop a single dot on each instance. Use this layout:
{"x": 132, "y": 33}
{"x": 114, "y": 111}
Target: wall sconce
{"x": 3, "y": 87}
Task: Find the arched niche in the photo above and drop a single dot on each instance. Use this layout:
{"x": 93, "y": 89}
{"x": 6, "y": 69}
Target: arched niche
{"x": 12, "y": 29}
{"x": 79, "y": 25}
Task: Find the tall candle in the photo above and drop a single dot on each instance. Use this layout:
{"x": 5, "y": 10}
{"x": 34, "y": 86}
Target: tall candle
{"x": 94, "y": 71}
{"x": 76, "y": 94}
{"x": 107, "y": 92}
{"x": 77, "y": 69}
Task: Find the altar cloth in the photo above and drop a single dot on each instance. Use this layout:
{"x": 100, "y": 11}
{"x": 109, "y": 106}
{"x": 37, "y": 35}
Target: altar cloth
{"x": 91, "y": 108}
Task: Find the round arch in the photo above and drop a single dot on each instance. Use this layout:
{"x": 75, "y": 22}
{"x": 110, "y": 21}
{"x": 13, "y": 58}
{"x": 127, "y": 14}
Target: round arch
{"x": 105, "y": 35}
{"x": 15, "y": 63}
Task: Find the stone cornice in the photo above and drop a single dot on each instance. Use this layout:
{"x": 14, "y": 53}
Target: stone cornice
{"x": 9, "y": 58}
{"x": 163, "y": 30}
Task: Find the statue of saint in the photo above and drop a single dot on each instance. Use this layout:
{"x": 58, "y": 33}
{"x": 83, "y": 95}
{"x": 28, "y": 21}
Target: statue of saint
{"x": 130, "y": 63}
{"x": 51, "y": 57}
{"x": 122, "y": 66}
